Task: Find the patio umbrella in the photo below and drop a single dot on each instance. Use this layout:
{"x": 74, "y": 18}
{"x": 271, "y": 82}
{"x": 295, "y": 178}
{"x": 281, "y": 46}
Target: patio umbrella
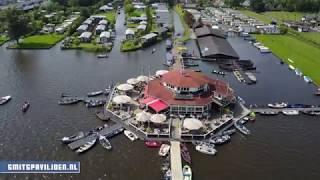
{"x": 143, "y": 116}
{"x": 142, "y": 78}
{"x": 158, "y": 118}
{"x": 133, "y": 81}
{"x": 121, "y": 99}
{"x": 161, "y": 72}
{"x": 192, "y": 123}
{"x": 125, "y": 87}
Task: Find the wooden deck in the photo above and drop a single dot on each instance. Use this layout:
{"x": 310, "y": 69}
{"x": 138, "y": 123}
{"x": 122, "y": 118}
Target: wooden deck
{"x": 175, "y": 159}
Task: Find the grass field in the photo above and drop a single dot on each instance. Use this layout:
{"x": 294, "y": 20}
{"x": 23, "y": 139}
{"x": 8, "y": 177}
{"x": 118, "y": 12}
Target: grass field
{"x": 39, "y": 41}
{"x": 3, "y": 39}
{"x": 279, "y": 16}
{"x": 111, "y": 16}
{"x": 257, "y": 16}
{"x": 312, "y": 36}
{"x": 305, "y": 57}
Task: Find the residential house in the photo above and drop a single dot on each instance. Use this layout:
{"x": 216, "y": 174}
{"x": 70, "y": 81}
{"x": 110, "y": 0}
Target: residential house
{"x": 104, "y": 37}
{"x": 100, "y": 28}
{"x": 83, "y": 28}
{"x": 149, "y": 39}
{"x": 85, "y": 37}
{"x": 268, "y": 29}
{"x": 105, "y": 8}
{"x": 129, "y": 34}
{"x": 246, "y": 28}
{"x": 142, "y": 27}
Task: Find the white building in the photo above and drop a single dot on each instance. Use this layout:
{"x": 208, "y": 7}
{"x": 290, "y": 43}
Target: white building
{"x": 104, "y": 37}
{"x": 129, "y": 34}
{"x": 268, "y": 29}
{"x": 85, "y": 37}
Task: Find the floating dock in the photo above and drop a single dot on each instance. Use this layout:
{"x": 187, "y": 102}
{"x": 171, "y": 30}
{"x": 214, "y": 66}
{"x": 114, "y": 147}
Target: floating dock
{"x": 175, "y": 159}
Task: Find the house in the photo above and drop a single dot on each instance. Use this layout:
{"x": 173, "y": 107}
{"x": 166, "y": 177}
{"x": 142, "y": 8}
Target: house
{"x": 303, "y": 28}
{"x": 129, "y": 34}
{"x": 60, "y": 30}
{"x": 246, "y": 28}
{"x": 140, "y": 7}
{"x": 85, "y": 37}
{"x": 143, "y": 23}
{"x": 103, "y": 22}
{"x": 141, "y": 27}
{"x": 268, "y": 29}
{"x": 100, "y": 28}
{"x": 137, "y": 19}
{"x": 149, "y": 39}
{"x": 104, "y": 37}
{"x": 88, "y": 22}
{"x": 105, "y": 8}
{"x": 82, "y": 28}
{"x": 48, "y": 28}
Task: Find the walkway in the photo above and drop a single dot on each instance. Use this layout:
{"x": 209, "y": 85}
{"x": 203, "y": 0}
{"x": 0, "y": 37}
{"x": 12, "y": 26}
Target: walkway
{"x": 257, "y": 110}
{"x": 175, "y": 158}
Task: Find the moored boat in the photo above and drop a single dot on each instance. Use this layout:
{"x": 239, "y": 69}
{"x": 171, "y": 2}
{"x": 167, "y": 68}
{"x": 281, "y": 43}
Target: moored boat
{"x": 164, "y": 149}
{"x": 312, "y": 113}
{"x": 220, "y": 139}
{"x": 307, "y": 79}
{"x": 229, "y": 132}
{"x": 317, "y": 93}
{"x": 105, "y": 142}
{"x": 115, "y": 132}
{"x": 86, "y": 146}
{"x": 95, "y": 103}
{"x": 291, "y": 67}
{"x": 130, "y": 135}
{"x": 74, "y": 137}
{"x": 268, "y": 113}
{"x": 96, "y": 93}
{"x": 25, "y": 107}
{"x": 290, "y": 112}
{"x": 278, "y": 105}
{"x": 102, "y": 56}
{"x": 4, "y": 99}
{"x": 66, "y": 101}
{"x": 242, "y": 128}
{"x": 206, "y": 148}
{"x": 153, "y": 144}
{"x": 185, "y": 153}
{"x": 298, "y": 72}
{"x": 187, "y": 172}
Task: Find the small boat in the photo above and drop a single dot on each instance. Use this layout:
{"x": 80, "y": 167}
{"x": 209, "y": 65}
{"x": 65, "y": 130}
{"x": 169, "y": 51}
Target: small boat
{"x": 4, "y": 99}
{"x": 153, "y": 144}
{"x": 130, "y": 135}
{"x": 168, "y": 174}
{"x": 307, "y": 79}
{"x": 290, "y": 112}
{"x": 164, "y": 149}
{"x": 74, "y": 137}
{"x": 252, "y": 77}
{"x": 102, "y": 56}
{"x": 25, "y": 107}
{"x": 96, "y": 93}
{"x": 86, "y": 146}
{"x": 187, "y": 173}
{"x": 298, "y": 72}
{"x": 312, "y": 113}
{"x": 268, "y": 113}
{"x": 64, "y": 95}
{"x": 229, "y": 132}
{"x": 206, "y": 148}
{"x": 185, "y": 153}
{"x": 105, "y": 142}
{"x": 242, "y": 128}
{"x": 220, "y": 139}
{"x": 115, "y": 132}
{"x": 218, "y": 72}
{"x": 291, "y": 67}
{"x": 108, "y": 90}
{"x": 278, "y": 105}
{"x": 95, "y": 103}
{"x": 264, "y": 49}
{"x": 153, "y": 51}
{"x": 317, "y": 93}
{"x": 66, "y": 101}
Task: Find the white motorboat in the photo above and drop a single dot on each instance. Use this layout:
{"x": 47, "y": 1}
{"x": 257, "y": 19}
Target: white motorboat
{"x": 290, "y": 112}
{"x": 278, "y": 105}
{"x": 298, "y": 72}
{"x": 96, "y": 93}
{"x": 220, "y": 139}
{"x": 242, "y": 128}
{"x": 105, "y": 142}
{"x": 187, "y": 172}
{"x": 74, "y": 137}
{"x": 307, "y": 79}
{"x": 130, "y": 135}
{"x": 86, "y": 146}
{"x": 264, "y": 49}
{"x": 164, "y": 149}
{"x": 206, "y": 148}
{"x": 4, "y": 99}
{"x": 102, "y": 56}
{"x": 291, "y": 67}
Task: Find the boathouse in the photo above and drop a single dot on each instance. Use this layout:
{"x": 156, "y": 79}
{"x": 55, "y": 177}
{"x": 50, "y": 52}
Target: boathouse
{"x": 186, "y": 92}
{"x": 213, "y": 44}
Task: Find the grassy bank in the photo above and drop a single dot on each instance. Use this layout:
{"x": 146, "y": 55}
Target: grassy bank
{"x": 258, "y": 16}
{"x": 279, "y": 16}
{"x": 130, "y": 45}
{"x": 44, "y": 41}
{"x": 186, "y": 34}
{"x": 304, "y": 56}
{"x": 3, "y": 39}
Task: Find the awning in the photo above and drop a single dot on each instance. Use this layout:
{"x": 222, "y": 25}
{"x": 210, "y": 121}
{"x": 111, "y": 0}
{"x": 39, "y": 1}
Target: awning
{"x": 156, "y": 104}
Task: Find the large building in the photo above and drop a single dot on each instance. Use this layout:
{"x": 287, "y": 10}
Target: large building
{"x": 187, "y": 92}
{"x": 213, "y": 44}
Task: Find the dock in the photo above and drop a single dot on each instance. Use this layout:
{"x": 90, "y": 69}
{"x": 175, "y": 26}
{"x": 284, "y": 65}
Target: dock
{"x": 175, "y": 159}
{"x": 258, "y": 110}
{"x": 103, "y": 132}
{"x": 102, "y": 116}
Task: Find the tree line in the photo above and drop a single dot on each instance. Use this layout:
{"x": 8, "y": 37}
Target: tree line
{"x": 279, "y": 5}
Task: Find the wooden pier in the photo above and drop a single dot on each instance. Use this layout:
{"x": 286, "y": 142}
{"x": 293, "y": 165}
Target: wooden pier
{"x": 104, "y": 132}
{"x": 258, "y": 110}
{"x": 175, "y": 159}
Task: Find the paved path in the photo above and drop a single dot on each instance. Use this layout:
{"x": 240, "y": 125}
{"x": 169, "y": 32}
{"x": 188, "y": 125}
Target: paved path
{"x": 175, "y": 158}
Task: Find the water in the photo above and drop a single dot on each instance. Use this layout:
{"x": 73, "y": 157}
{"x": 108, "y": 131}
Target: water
{"x": 279, "y": 147}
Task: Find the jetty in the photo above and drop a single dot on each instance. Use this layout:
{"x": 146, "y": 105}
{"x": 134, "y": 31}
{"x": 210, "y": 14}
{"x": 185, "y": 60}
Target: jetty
{"x": 258, "y": 110}
{"x": 175, "y": 159}
{"x": 104, "y": 132}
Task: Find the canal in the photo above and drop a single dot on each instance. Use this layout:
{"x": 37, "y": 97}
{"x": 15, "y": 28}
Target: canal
{"x": 279, "y": 147}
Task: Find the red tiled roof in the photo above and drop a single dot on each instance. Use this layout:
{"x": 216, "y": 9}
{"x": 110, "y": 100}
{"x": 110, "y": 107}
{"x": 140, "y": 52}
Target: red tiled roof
{"x": 185, "y": 78}
{"x": 157, "y": 90}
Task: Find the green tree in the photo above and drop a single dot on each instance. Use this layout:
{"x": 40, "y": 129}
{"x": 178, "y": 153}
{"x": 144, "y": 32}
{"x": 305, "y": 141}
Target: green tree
{"x": 257, "y": 5}
{"x": 149, "y": 19}
{"x": 84, "y": 12}
{"x": 18, "y": 24}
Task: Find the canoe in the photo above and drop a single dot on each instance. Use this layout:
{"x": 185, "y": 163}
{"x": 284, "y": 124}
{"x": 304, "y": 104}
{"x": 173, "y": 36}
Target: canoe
{"x": 74, "y": 137}
{"x": 187, "y": 172}
{"x": 25, "y": 107}
{"x": 105, "y": 142}
{"x": 164, "y": 150}
{"x": 130, "y": 135}
{"x": 86, "y": 146}
{"x": 153, "y": 144}
{"x": 4, "y": 99}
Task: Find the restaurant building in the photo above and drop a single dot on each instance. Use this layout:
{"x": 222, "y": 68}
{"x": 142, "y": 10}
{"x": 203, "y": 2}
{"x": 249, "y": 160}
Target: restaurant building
{"x": 185, "y": 92}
